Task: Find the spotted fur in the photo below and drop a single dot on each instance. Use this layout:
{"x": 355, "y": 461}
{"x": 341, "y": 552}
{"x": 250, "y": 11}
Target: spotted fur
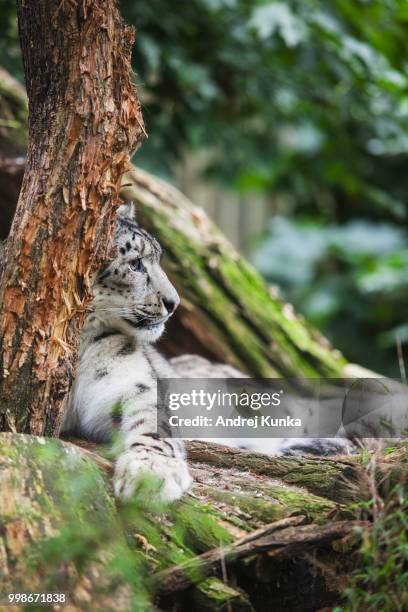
{"x": 115, "y": 386}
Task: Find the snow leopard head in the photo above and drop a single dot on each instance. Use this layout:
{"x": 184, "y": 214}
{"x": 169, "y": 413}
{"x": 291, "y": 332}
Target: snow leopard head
{"x": 132, "y": 293}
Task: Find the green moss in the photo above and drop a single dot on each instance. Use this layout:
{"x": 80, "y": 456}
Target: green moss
{"x": 324, "y": 478}
{"x": 262, "y": 337}
{"x": 272, "y": 502}
{"x": 68, "y": 522}
{"x": 296, "y": 501}
{"x": 178, "y": 534}
{"x": 264, "y": 511}
{"x": 213, "y": 595}
{"x": 328, "y": 480}
{"x": 197, "y": 526}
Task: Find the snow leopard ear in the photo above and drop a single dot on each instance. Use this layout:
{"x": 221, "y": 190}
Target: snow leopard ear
{"x": 127, "y": 211}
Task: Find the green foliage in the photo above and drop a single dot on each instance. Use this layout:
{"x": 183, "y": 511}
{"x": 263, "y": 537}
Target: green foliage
{"x": 381, "y": 581}
{"x": 350, "y": 280}
{"x": 303, "y": 98}
{"x": 89, "y": 535}
{"x": 10, "y": 55}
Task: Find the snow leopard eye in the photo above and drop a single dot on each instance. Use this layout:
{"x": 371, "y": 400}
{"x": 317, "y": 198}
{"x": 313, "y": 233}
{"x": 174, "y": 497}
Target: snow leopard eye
{"x": 137, "y": 265}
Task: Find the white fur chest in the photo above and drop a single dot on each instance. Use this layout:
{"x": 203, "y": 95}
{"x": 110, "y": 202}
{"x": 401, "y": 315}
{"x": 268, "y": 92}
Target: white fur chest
{"x": 109, "y": 371}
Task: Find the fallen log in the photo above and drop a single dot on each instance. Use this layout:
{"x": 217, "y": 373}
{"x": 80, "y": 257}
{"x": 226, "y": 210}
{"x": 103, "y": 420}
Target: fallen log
{"x": 338, "y": 480}
{"x": 241, "y": 540}
{"x": 243, "y": 508}
{"x": 287, "y": 543}
{"x": 227, "y": 313}
{"x": 333, "y": 478}
{"x": 247, "y": 499}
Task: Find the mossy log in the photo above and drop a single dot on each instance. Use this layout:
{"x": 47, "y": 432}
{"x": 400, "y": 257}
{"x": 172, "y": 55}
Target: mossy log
{"x": 331, "y": 479}
{"x": 227, "y": 313}
{"x": 54, "y": 510}
{"x": 237, "y": 508}
{"x": 247, "y": 490}
{"x": 311, "y": 486}
{"x": 242, "y": 539}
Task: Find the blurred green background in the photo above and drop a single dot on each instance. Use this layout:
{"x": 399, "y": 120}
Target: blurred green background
{"x": 303, "y": 104}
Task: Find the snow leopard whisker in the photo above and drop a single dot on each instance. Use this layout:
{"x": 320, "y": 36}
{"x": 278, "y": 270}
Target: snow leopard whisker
{"x": 115, "y": 308}
{"x": 122, "y": 312}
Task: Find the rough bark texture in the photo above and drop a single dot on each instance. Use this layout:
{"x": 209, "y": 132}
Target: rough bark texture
{"x": 283, "y": 544}
{"x": 327, "y": 478}
{"x": 241, "y": 540}
{"x": 227, "y": 313}
{"x": 84, "y": 121}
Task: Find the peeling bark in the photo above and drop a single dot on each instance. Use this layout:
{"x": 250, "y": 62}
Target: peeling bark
{"x": 84, "y": 122}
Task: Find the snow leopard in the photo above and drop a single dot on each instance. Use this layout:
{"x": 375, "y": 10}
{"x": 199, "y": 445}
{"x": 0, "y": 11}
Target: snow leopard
{"x": 115, "y": 387}
{"x": 115, "y": 384}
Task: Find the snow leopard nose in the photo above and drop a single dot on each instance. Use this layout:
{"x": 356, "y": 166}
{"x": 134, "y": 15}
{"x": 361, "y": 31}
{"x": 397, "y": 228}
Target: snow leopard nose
{"x": 170, "y": 304}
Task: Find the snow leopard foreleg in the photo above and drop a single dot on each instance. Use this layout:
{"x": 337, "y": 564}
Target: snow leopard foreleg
{"x": 145, "y": 452}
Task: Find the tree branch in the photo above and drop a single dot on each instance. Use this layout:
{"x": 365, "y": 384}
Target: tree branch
{"x": 286, "y": 544}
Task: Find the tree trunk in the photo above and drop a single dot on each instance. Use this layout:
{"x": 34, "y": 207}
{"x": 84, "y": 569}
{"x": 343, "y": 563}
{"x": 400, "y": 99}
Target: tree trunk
{"x": 84, "y": 121}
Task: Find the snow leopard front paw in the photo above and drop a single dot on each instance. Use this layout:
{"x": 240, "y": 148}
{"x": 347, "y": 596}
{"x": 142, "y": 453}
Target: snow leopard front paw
{"x": 171, "y": 474}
